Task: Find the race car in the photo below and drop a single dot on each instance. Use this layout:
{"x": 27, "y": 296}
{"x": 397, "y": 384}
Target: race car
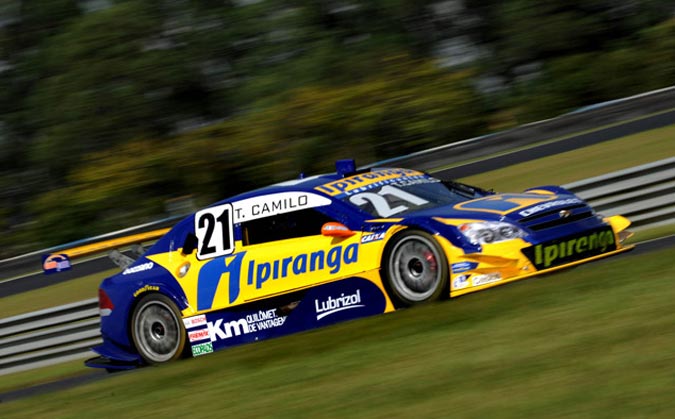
{"x": 323, "y": 249}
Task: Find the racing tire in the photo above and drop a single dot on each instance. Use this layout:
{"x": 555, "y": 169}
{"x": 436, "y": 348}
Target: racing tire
{"x": 157, "y": 329}
{"x": 415, "y": 269}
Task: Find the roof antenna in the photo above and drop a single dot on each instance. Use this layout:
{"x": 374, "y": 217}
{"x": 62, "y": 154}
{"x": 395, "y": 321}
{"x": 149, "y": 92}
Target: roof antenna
{"x": 345, "y": 167}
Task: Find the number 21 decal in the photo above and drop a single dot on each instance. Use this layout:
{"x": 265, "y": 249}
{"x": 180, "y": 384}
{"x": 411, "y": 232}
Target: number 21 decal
{"x": 385, "y": 207}
{"x": 213, "y": 227}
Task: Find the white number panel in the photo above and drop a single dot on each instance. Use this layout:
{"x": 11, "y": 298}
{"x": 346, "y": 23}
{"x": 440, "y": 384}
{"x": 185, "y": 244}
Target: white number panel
{"x": 213, "y": 227}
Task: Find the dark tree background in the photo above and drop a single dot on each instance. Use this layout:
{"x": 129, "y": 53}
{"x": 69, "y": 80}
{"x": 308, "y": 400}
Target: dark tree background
{"x": 111, "y": 108}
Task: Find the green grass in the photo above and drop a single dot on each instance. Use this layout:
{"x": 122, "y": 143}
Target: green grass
{"x": 652, "y": 233}
{"x": 582, "y": 163}
{"x": 53, "y": 295}
{"x": 595, "y": 341}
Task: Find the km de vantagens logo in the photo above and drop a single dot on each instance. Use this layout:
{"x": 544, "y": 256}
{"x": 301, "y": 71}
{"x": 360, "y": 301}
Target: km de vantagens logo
{"x": 258, "y": 273}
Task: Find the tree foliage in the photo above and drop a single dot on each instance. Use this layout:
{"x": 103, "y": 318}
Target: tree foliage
{"x": 107, "y": 113}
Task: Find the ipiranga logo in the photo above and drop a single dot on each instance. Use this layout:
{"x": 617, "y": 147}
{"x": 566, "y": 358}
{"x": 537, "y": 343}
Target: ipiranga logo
{"x": 259, "y": 273}
{"x": 548, "y": 255}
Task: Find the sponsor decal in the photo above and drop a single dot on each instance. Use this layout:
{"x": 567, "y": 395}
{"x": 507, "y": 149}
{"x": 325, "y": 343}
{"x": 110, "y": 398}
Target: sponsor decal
{"x": 260, "y": 272}
{"x": 55, "y": 263}
{"x": 546, "y": 205}
{"x": 138, "y": 268}
{"x": 213, "y": 228}
{"x": 460, "y": 267}
{"x": 369, "y": 238}
{"x": 275, "y": 204}
{"x": 365, "y": 181}
{"x": 202, "y": 349}
{"x": 483, "y": 279}
{"x": 252, "y": 323}
{"x": 220, "y": 330}
{"x": 461, "y": 281}
{"x": 194, "y": 321}
{"x": 229, "y": 327}
{"x": 197, "y": 335}
{"x": 145, "y": 289}
{"x": 385, "y": 201}
{"x": 501, "y": 204}
{"x": 548, "y": 255}
{"x": 332, "y": 305}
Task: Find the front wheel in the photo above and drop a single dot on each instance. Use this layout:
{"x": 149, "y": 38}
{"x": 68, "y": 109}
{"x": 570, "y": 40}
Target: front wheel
{"x": 157, "y": 329}
{"x": 415, "y": 268}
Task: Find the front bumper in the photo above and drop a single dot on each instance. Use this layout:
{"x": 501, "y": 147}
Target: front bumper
{"x": 517, "y": 259}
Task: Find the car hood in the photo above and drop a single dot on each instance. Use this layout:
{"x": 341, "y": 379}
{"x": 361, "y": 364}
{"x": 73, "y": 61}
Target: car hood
{"x": 524, "y": 209}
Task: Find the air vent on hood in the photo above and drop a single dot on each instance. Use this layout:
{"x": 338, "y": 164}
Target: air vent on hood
{"x": 557, "y": 217}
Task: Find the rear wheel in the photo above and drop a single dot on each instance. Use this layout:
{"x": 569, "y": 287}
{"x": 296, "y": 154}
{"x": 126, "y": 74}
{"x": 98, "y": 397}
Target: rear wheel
{"x": 157, "y": 329}
{"x": 415, "y": 268}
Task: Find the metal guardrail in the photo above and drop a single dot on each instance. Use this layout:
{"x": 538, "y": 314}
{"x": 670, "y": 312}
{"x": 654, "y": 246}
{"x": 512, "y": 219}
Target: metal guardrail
{"x": 645, "y": 194}
{"x": 49, "y": 336}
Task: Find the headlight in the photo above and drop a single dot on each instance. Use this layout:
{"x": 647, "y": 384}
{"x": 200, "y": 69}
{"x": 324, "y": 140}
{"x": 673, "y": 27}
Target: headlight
{"x": 490, "y": 232}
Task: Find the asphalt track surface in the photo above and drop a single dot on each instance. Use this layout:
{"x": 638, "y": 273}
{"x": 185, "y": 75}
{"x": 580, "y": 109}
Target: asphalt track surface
{"x": 571, "y": 143}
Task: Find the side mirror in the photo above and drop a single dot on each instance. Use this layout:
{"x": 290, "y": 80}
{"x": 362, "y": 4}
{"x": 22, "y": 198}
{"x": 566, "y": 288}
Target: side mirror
{"x": 333, "y": 229}
{"x": 190, "y": 244}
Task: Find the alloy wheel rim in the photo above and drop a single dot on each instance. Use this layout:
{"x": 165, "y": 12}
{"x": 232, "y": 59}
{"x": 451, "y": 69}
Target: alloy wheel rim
{"x": 414, "y": 268}
{"x": 157, "y": 331}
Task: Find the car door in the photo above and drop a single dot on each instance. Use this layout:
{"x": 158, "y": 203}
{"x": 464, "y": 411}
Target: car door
{"x": 288, "y": 252}
{"x": 267, "y": 245}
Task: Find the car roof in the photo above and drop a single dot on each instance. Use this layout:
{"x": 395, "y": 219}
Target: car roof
{"x": 301, "y": 184}
{"x": 309, "y": 184}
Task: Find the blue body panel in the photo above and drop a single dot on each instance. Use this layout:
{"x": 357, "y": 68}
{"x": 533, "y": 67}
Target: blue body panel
{"x": 334, "y": 302}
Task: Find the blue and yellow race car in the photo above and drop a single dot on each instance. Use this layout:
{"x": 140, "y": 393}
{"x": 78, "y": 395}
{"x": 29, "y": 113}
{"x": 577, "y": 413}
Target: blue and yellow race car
{"x": 324, "y": 249}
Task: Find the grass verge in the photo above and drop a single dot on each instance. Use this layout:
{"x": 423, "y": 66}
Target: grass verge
{"x": 53, "y": 295}
{"x": 652, "y": 233}
{"x": 595, "y": 341}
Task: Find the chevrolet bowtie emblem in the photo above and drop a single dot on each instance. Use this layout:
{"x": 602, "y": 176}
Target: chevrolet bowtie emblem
{"x": 564, "y": 213}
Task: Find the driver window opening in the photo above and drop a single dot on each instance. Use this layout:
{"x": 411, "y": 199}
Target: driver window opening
{"x": 303, "y": 223}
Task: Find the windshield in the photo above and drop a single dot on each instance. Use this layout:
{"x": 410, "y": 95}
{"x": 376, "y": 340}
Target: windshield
{"x": 408, "y": 194}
